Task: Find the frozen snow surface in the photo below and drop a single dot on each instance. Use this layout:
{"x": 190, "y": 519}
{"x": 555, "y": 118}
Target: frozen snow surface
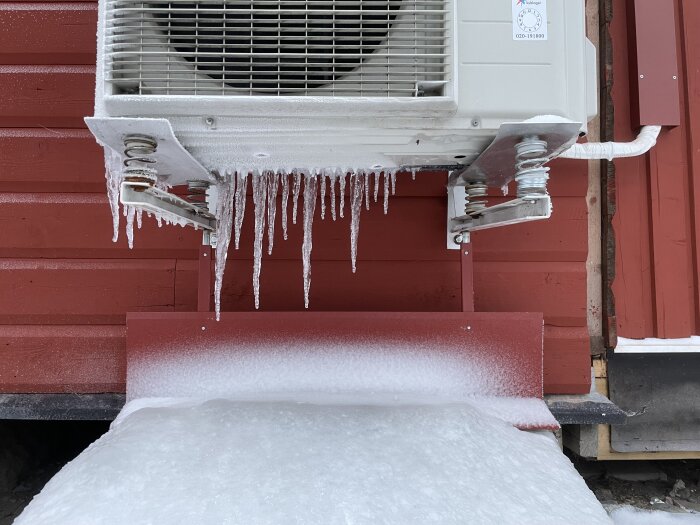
{"x": 228, "y": 462}
{"x": 631, "y": 516}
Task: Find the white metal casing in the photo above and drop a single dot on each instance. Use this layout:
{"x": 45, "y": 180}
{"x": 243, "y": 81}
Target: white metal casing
{"x": 493, "y": 79}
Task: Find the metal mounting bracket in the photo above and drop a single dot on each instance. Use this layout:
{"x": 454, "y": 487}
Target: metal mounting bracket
{"x": 525, "y": 209}
{"x": 496, "y": 165}
{"x": 150, "y": 199}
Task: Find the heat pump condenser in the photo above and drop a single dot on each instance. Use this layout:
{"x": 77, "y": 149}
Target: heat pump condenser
{"x": 315, "y": 84}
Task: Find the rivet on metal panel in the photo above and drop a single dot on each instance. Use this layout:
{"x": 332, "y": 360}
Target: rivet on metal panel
{"x": 641, "y": 76}
{"x": 204, "y": 328}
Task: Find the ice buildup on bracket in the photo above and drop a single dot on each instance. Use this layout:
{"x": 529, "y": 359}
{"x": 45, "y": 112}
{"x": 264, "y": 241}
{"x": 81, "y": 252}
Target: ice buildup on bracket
{"x": 231, "y": 204}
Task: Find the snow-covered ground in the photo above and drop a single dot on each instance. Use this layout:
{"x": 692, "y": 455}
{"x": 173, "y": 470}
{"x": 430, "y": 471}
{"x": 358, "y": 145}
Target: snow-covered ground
{"x": 234, "y": 462}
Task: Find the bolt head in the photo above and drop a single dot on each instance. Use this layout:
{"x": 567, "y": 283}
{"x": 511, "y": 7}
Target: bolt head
{"x": 459, "y": 238}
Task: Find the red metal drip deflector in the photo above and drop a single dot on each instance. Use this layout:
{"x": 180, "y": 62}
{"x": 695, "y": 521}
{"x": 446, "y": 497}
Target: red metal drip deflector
{"x": 489, "y": 359}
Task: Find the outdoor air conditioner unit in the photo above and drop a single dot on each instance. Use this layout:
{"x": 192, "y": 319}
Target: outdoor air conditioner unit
{"x": 188, "y": 89}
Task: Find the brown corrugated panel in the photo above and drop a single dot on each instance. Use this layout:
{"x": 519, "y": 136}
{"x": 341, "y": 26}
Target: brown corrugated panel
{"x": 67, "y": 287}
{"x": 656, "y": 222}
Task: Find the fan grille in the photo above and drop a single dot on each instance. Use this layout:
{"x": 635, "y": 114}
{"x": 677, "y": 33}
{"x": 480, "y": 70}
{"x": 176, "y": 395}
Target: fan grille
{"x": 368, "y": 48}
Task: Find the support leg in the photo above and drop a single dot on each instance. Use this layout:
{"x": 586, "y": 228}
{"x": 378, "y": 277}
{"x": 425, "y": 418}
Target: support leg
{"x": 204, "y": 279}
{"x": 467, "y": 263}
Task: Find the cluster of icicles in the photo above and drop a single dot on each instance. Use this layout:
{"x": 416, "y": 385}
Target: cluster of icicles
{"x": 332, "y": 185}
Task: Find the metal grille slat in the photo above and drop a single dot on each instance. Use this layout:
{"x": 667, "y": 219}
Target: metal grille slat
{"x": 376, "y": 48}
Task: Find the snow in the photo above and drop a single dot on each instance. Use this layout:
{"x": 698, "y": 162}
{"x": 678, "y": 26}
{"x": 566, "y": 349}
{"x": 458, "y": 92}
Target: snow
{"x": 631, "y": 516}
{"x": 267, "y": 363}
{"x": 653, "y": 345}
{"x": 234, "y": 462}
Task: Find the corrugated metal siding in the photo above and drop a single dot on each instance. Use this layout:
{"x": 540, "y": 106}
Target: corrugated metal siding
{"x": 656, "y": 223}
{"x": 66, "y": 287}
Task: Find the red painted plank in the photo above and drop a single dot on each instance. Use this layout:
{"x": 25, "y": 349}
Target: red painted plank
{"x": 52, "y": 160}
{"x": 672, "y": 246}
{"x": 54, "y": 33}
{"x": 691, "y": 17}
{"x": 633, "y": 285}
{"x": 378, "y": 286}
{"x": 567, "y": 361}
{"x": 79, "y": 226}
{"x": 46, "y": 96}
{"x": 51, "y": 359}
{"x": 557, "y": 289}
{"x": 40, "y": 291}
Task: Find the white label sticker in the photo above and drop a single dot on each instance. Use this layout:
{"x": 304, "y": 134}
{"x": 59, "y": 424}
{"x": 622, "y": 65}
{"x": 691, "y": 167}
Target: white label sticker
{"x": 529, "y": 19}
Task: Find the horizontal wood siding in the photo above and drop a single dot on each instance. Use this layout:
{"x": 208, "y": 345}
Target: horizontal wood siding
{"x": 656, "y": 221}
{"x": 67, "y": 287}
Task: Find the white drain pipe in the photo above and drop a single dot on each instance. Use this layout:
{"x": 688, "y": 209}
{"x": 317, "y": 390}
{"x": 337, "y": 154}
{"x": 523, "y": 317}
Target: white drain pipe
{"x": 611, "y": 150}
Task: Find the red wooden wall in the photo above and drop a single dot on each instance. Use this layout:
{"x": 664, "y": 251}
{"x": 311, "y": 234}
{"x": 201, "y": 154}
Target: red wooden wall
{"x": 657, "y": 219}
{"x": 66, "y": 286}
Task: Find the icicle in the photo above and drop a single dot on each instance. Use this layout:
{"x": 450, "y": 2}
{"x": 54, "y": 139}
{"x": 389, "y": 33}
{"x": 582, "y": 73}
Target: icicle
{"x": 392, "y": 178}
{"x": 130, "y": 213}
{"x": 259, "y": 200}
{"x": 504, "y": 189}
{"x": 295, "y": 195}
{"x": 357, "y": 182}
{"x": 310, "y": 191}
{"x": 159, "y": 220}
{"x": 272, "y": 186}
{"x": 241, "y": 191}
{"x": 414, "y": 172}
{"x": 113, "y": 176}
{"x": 377, "y": 176}
{"x": 224, "y": 225}
{"x": 139, "y": 219}
{"x": 323, "y": 195}
{"x": 387, "y": 178}
{"x": 341, "y": 182}
{"x": 366, "y": 177}
{"x": 333, "y": 177}
{"x": 285, "y": 200}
